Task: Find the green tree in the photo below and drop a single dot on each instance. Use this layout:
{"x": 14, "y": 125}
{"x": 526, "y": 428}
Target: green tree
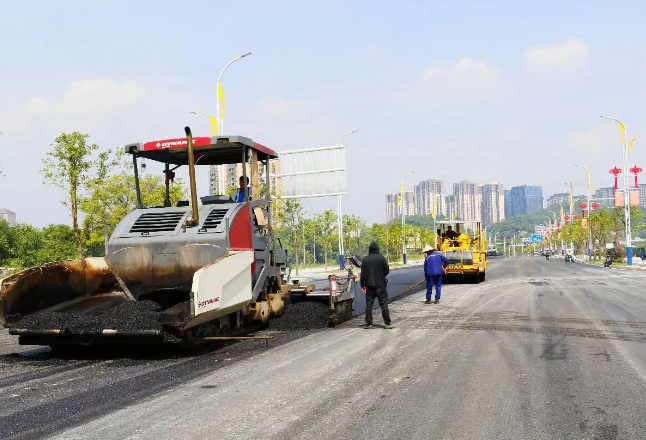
{"x": 601, "y": 224}
{"x": 381, "y": 234}
{"x": 309, "y": 228}
{"x": 353, "y": 227}
{"x": 395, "y": 232}
{"x": 72, "y": 165}
{"x": 290, "y": 214}
{"x": 27, "y": 244}
{"x": 6, "y": 242}
{"x": 326, "y": 223}
{"x": 58, "y": 243}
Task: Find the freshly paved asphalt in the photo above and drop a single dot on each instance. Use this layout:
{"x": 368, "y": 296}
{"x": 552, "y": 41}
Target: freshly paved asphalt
{"x": 541, "y": 350}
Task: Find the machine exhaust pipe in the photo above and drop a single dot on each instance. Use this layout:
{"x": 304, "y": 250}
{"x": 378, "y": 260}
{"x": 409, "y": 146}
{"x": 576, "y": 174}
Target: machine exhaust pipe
{"x": 191, "y": 173}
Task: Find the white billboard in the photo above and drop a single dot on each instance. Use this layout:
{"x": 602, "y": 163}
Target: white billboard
{"x": 312, "y": 172}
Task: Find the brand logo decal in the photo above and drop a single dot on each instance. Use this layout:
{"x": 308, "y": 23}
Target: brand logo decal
{"x": 207, "y": 302}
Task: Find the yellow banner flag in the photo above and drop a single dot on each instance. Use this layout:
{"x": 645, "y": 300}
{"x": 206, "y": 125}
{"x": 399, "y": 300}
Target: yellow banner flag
{"x": 399, "y": 201}
{"x": 223, "y": 102}
{"x": 561, "y": 211}
{"x": 214, "y": 126}
{"x": 622, "y": 132}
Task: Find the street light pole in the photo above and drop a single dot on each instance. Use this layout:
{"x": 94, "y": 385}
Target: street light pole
{"x": 571, "y": 206}
{"x": 629, "y": 246}
{"x": 340, "y": 215}
{"x": 562, "y": 224}
{"x": 587, "y": 171}
{"x": 554, "y": 229}
{"x": 548, "y": 225}
{"x": 404, "y": 217}
{"x": 219, "y": 87}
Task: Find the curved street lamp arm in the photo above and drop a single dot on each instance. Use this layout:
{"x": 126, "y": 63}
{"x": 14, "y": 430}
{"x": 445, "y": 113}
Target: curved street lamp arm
{"x": 231, "y": 62}
{"x": 344, "y": 135}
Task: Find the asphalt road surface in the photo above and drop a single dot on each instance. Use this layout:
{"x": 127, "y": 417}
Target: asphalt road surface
{"x": 541, "y": 350}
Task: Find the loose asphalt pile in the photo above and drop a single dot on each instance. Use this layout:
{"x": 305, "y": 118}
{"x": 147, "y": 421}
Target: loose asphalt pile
{"x": 302, "y": 316}
{"x": 126, "y": 317}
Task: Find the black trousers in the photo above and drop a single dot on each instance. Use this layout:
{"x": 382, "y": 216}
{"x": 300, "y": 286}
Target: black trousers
{"x": 381, "y": 294}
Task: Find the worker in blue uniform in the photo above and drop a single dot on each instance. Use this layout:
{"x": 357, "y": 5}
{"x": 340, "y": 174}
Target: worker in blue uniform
{"x": 434, "y": 265}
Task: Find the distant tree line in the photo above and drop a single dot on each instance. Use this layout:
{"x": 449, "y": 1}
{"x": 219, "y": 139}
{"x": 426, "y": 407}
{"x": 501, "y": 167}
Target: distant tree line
{"x": 312, "y": 238}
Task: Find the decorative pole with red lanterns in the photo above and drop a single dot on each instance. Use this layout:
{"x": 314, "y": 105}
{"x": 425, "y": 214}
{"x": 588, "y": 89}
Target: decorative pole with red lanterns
{"x": 636, "y": 170}
{"x": 624, "y": 144}
{"x": 616, "y": 171}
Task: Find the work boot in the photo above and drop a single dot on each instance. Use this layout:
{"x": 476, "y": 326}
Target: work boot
{"x": 388, "y": 326}
{"x": 437, "y": 301}
{"x": 428, "y": 301}
{"x": 368, "y": 327}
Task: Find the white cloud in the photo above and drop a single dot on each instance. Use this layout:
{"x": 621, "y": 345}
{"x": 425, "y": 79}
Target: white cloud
{"x": 591, "y": 141}
{"x": 92, "y": 96}
{"x": 466, "y": 68}
{"x": 89, "y": 102}
{"x": 284, "y": 123}
{"x": 446, "y": 85}
{"x": 567, "y": 57}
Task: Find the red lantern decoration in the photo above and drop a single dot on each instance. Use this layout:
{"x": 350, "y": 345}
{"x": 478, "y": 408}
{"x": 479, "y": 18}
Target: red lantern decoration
{"x": 636, "y": 170}
{"x": 567, "y": 217}
{"x": 595, "y": 206}
{"x": 576, "y": 217}
{"x": 583, "y": 206}
{"x": 616, "y": 171}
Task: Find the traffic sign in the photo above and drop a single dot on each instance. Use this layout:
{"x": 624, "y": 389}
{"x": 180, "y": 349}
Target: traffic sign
{"x": 536, "y": 238}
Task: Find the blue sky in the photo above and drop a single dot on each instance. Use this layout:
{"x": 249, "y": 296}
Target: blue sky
{"x": 507, "y": 92}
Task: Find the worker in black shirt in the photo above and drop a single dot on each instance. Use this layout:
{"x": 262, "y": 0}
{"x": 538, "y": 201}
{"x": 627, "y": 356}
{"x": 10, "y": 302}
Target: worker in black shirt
{"x": 374, "y": 269}
{"x": 451, "y": 234}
